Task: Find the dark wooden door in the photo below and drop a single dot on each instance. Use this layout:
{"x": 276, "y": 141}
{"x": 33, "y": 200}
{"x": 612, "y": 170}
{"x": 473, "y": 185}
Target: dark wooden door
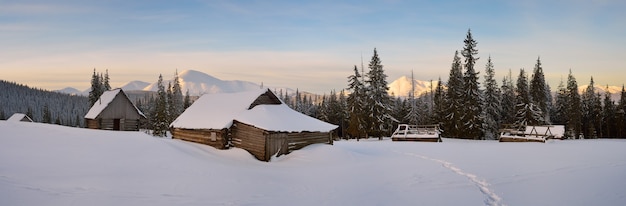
{"x": 116, "y": 124}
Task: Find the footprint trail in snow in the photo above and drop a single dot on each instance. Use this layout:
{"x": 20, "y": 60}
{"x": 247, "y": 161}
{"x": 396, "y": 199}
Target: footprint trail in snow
{"x": 492, "y": 199}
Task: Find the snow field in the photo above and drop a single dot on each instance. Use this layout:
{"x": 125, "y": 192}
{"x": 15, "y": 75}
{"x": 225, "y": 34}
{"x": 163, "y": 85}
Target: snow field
{"x": 44, "y": 164}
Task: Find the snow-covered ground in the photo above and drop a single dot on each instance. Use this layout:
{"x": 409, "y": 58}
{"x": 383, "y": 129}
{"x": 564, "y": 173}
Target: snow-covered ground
{"x": 44, "y": 164}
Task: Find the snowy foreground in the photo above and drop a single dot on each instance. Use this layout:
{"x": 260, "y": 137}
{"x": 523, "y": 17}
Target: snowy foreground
{"x": 53, "y": 165}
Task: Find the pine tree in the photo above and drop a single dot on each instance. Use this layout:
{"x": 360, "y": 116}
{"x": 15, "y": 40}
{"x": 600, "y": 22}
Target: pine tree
{"x": 472, "y": 96}
{"x": 527, "y": 112}
{"x": 160, "y": 123}
{"x": 411, "y": 116}
{"x": 451, "y": 126}
{"x": 187, "y": 101}
{"x": 378, "y": 100}
{"x": 573, "y": 114}
{"x": 47, "y": 117}
{"x": 96, "y": 88}
{"x": 560, "y": 107}
{"x": 590, "y": 111}
{"x": 170, "y": 103}
{"x": 105, "y": 82}
{"x": 508, "y": 100}
{"x": 608, "y": 115}
{"x": 538, "y": 91}
{"x": 492, "y": 103}
{"x": 355, "y": 102}
{"x": 439, "y": 101}
{"x": 178, "y": 104}
{"x": 621, "y": 114}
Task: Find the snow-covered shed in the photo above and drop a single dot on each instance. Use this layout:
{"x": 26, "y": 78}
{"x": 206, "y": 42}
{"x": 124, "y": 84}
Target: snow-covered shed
{"x": 114, "y": 111}
{"x": 19, "y": 117}
{"x": 256, "y": 121}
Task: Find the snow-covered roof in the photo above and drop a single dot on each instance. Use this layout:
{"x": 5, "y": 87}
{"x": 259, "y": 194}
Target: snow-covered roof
{"x": 217, "y": 111}
{"x": 105, "y": 99}
{"x": 281, "y": 118}
{"x": 17, "y": 117}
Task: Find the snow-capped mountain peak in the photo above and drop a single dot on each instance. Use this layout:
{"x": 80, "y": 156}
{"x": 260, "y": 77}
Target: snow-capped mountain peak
{"x": 402, "y": 86}
{"x": 199, "y": 83}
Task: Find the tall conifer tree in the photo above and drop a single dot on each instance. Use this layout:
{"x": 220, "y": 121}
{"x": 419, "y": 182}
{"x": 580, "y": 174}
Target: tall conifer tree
{"x": 492, "y": 106}
{"x": 378, "y": 100}
{"x": 472, "y": 118}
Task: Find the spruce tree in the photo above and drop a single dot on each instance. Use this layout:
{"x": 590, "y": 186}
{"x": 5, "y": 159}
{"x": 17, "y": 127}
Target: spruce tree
{"x": 451, "y": 126}
{"x": 608, "y": 115}
{"x": 160, "y": 116}
{"x": 527, "y": 112}
{"x": 439, "y": 101}
{"x": 538, "y": 91}
{"x": 378, "y": 100}
{"x": 411, "y": 116}
{"x": 471, "y": 118}
{"x": 106, "y": 86}
{"x": 573, "y": 114}
{"x": 621, "y": 114}
{"x": 47, "y": 117}
{"x": 508, "y": 100}
{"x": 492, "y": 103}
{"x": 178, "y": 104}
{"x": 356, "y": 107}
{"x": 590, "y": 111}
{"x": 560, "y": 107}
{"x": 96, "y": 88}
{"x": 187, "y": 101}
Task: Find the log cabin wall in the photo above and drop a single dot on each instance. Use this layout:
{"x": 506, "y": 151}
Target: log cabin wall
{"x": 265, "y": 144}
{"x": 211, "y": 137}
{"x": 249, "y": 138}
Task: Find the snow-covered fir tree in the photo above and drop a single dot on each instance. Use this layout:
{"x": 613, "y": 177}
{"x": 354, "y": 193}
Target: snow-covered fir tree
{"x": 492, "y": 107}
{"x": 608, "y": 115}
{"x": 573, "y": 114}
{"x": 472, "y": 96}
{"x": 96, "y": 88}
{"x": 377, "y": 99}
{"x": 538, "y": 93}
{"x": 559, "y": 111}
{"x": 621, "y": 114}
{"x": 527, "y": 112}
{"x": 356, "y": 105}
{"x": 591, "y": 112}
{"x": 160, "y": 115}
{"x": 508, "y": 100}
{"x": 178, "y": 104}
{"x": 439, "y": 101}
{"x": 412, "y": 114}
{"x": 452, "y": 124}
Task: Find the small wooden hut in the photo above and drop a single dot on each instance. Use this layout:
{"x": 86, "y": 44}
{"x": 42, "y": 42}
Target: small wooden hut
{"x": 114, "y": 111}
{"x": 19, "y": 117}
{"x": 256, "y": 121}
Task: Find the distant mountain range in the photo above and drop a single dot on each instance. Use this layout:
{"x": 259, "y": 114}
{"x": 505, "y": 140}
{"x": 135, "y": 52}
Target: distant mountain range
{"x": 199, "y": 83}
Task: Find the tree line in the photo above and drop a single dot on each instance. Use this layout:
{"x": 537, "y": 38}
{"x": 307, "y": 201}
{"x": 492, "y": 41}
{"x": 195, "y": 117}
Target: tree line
{"x": 462, "y": 107}
{"x": 42, "y": 105}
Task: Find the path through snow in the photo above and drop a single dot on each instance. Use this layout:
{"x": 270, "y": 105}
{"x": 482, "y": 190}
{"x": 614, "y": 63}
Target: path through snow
{"x": 492, "y": 199}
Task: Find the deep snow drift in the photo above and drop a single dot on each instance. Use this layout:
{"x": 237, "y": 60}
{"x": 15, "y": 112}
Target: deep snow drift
{"x": 44, "y": 164}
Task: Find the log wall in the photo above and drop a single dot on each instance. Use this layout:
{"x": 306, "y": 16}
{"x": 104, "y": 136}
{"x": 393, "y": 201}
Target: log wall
{"x": 203, "y": 136}
{"x": 265, "y": 144}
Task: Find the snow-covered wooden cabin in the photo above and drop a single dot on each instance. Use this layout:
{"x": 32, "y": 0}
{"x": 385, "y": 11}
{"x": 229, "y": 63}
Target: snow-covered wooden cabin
{"x": 114, "y": 111}
{"x": 19, "y": 117}
{"x": 256, "y": 121}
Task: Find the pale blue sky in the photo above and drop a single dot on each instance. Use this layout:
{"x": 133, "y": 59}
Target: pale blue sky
{"x": 311, "y": 45}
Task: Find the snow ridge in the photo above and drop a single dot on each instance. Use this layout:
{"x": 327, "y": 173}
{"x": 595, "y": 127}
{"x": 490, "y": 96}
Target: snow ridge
{"x": 492, "y": 199}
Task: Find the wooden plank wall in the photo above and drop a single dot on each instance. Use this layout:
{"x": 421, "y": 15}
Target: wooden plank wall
{"x": 202, "y": 136}
{"x": 92, "y": 123}
{"x": 263, "y": 144}
{"x": 250, "y": 139}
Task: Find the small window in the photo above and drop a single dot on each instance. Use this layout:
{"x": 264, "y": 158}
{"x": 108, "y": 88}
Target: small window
{"x": 213, "y": 136}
